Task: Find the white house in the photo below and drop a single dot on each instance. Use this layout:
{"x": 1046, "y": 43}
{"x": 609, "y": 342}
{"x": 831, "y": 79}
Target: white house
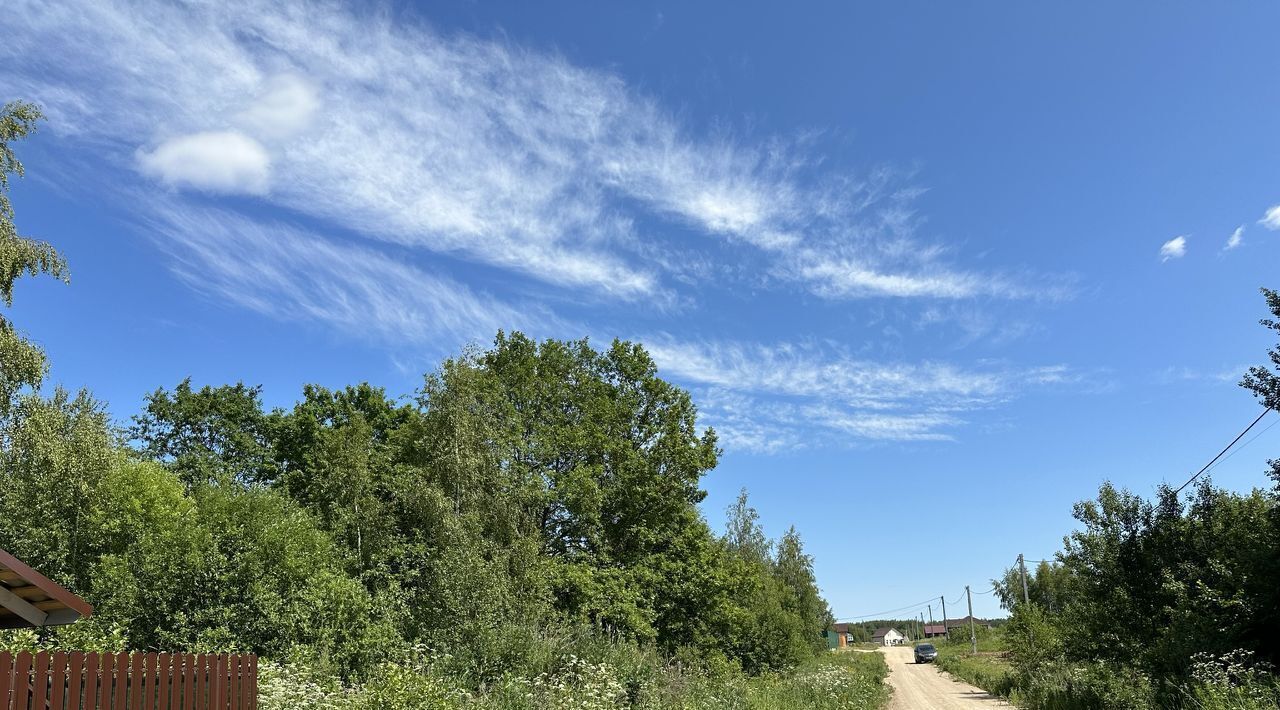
{"x": 887, "y": 637}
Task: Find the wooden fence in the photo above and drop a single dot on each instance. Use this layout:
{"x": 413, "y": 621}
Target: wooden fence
{"x": 127, "y": 681}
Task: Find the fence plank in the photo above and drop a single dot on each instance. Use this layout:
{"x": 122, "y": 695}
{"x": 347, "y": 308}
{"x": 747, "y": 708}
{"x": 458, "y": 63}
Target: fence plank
{"x": 6, "y": 678}
{"x": 201, "y": 700}
{"x": 163, "y": 669}
{"x": 107, "y": 662}
{"x": 188, "y": 682}
{"x": 74, "y": 679}
{"x": 21, "y": 680}
{"x": 90, "y": 681}
{"x": 135, "y": 682}
{"x": 234, "y": 674}
{"x": 57, "y": 693}
{"x": 248, "y": 695}
{"x": 40, "y": 681}
{"x": 221, "y": 684}
{"x": 122, "y": 680}
{"x": 149, "y": 690}
{"x": 175, "y": 682}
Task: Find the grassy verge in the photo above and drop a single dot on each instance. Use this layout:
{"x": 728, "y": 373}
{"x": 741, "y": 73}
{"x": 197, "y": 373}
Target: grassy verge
{"x": 619, "y": 678}
{"x": 988, "y": 668}
{"x": 840, "y": 679}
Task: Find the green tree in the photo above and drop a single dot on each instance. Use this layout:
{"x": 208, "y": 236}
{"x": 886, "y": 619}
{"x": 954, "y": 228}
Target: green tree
{"x": 22, "y": 363}
{"x": 213, "y": 434}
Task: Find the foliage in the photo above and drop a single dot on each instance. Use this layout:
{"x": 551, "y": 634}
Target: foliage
{"x": 22, "y": 363}
{"x": 1170, "y": 602}
{"x": 608, "y": 676}
{"x": 529, "y": 515}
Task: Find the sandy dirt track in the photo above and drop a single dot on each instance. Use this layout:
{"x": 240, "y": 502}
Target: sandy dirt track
{"x": 924, "y": 687}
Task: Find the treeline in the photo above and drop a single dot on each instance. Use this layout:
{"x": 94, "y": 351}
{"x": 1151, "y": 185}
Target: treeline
{"x": 525, "y": 494}
{"x": 1171, "y": 602}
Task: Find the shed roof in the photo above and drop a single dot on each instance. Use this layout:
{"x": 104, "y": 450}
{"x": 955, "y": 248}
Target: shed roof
{"x": 28, "y": 598}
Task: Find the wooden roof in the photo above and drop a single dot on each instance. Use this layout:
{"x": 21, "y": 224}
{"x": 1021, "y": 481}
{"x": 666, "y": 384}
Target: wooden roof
{"x": 28, "y": 598}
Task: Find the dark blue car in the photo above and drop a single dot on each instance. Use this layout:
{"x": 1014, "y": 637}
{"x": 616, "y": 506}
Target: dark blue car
{"x": 926, "y": 653}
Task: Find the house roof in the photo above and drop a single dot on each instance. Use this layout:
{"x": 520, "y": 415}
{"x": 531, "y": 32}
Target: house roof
{"x": 28, "y": 598}
{"x": 935, "y": 629}
{"x": 841, "y": 628}
{"x": 953, "y": 623}
{"x": 882, "y": 632}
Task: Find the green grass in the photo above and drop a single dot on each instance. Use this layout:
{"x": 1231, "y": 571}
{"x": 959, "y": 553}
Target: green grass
{"x": 837, "y": 680}
{"x": 988, "y": 668}
{"x": 622, "y": 678}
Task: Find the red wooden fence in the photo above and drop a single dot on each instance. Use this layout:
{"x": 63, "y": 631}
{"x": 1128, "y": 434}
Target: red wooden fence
{"x": 127, "y": 681}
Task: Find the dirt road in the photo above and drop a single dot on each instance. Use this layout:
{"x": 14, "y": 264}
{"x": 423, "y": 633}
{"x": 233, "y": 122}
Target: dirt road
{"x": 924, "y": 687}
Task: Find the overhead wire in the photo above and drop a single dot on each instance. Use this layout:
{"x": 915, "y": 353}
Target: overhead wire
{"x": 1224, "y": 450}
{"x": 878, "y": 614}
{"x": 1239, "y": 448}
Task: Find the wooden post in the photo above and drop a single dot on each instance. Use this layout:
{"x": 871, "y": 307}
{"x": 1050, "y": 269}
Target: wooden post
{"x": 945, "y": 630}
{"x": 973, "y": 635}
{"x": 1022, "y": 567}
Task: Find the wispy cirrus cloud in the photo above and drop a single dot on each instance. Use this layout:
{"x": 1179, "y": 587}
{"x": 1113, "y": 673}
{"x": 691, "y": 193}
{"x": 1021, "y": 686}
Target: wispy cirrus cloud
{"x": 291, "y": 274}
{"x": 481, "y": 149}
{"x": 396, "y": 144}
{"x": 768, "y": 398}
{"x": 1236, "y": 239}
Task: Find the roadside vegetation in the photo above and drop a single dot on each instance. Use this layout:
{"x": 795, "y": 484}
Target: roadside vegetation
{"x": 1172, "y": 602}
{"x": 988, "y": 669}
{"x": 522, "y": 531}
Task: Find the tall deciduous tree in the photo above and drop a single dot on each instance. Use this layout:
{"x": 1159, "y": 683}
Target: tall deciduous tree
{"x": 22, "y": 363}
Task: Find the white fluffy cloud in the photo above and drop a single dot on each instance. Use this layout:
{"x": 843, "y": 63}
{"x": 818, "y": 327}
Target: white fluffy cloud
{"x": 1271, "y": 220}
{"x": 1175, "y": 248}
{"x": 284, "y": 107}
{"x": 217, "y": 161}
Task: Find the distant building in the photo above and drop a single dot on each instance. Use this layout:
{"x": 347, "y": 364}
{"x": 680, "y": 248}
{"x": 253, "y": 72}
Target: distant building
{"x": 888, "y": 637}
{"x": 934, "y": 630}
{"x": 957, "y": 623}
{"x": 838, "y": 636}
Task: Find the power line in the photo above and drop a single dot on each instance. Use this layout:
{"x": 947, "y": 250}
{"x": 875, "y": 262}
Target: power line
{"x": 1245, "y": 444}
{"x": 878, "y": 614}
{"x": 1220, "y": 453}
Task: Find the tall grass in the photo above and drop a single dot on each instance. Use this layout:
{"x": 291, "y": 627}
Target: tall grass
{"x": 1064, "y": 685}
{"x": 595, "y": 676}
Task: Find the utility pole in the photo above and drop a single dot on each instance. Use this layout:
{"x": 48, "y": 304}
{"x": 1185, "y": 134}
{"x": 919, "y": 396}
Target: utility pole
{"x": 945, "y": 631}
{"x": 973, "y": 635}
{"x": 1022, "y": 567}
{"x": 926, "y": 629}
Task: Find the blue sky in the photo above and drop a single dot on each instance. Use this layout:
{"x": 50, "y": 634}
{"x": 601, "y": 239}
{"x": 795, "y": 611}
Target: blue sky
{"x": 909, "y": 257}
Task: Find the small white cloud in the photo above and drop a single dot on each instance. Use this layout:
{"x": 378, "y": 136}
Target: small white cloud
{"x": 1175, "y": 248}
{"x": 1271, "y": 220}
{"x": 1236, "y": 238}
{"x": 217, "y": 161}
{"x": 283, "y": 109}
